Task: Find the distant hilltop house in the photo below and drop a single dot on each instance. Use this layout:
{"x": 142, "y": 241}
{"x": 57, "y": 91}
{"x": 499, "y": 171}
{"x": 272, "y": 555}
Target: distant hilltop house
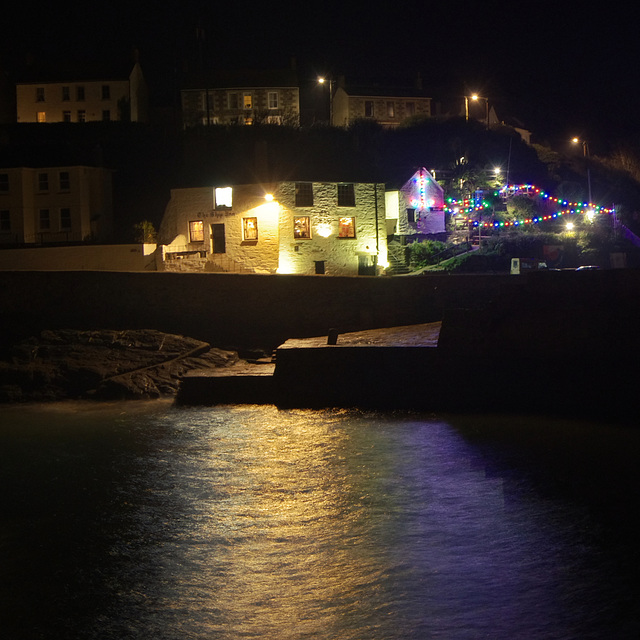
{"x": 241, "y": 97}
{"x": 91, "y": 95}
{"x": 331, "y": 228}
{"x": 388, "y": 106}
{"x": 48, "y": 205}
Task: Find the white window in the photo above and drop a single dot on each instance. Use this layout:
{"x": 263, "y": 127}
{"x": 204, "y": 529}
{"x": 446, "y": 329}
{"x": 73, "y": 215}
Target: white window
{"x": 272, "y": 99}
{"x": 223, "y": 198}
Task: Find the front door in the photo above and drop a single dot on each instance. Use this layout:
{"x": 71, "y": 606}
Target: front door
{"x": 218, "y": 238}
{"x": 366, "y": 265}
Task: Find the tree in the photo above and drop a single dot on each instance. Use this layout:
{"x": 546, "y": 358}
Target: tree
{"x": 145, "y": 232}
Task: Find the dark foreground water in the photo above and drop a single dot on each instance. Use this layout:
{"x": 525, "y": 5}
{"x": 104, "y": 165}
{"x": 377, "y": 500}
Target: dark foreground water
{"x": 143, "y": 520}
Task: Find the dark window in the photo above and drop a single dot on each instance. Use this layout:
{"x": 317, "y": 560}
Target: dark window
{"x": 304, "y": 194}
{"x": 80, "y": 93}
{"x": 65, "y": 219}
{"x": 4, "y": 182}
{"x": 5, "y": 221}
{"x": 40, "y": 94}
{"x": 43, "y": 182}
{"x": 411, "y": 108}
{"x": 411, "y": 215}
{"x": 82, "y": 115}
{"x": 65, "y": 181}
{"x": 66, "y": 94}
{"x": 346, "y": 195}
{"x": 302, "y": 227}
{"x": 66, "y": 116}
{"x": 368, "y": 108}
{"x": 319, "y": 267}
{"x": 44, "y": 221}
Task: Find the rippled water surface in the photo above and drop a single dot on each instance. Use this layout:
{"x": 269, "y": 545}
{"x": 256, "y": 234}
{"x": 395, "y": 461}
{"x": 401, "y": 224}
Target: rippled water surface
{"x": 141, "y": 520}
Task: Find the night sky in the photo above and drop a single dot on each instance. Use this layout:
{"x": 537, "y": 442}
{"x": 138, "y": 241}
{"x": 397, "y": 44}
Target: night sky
{"x": 564, "y": 69}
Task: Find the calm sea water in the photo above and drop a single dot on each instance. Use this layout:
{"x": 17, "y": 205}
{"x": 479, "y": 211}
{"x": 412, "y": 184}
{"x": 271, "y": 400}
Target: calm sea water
{"x": 142, "y": 520}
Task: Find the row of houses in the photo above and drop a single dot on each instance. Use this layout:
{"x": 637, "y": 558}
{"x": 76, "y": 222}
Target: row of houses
{"x": 332, "y": 228}
{"x": 215, "y": 97}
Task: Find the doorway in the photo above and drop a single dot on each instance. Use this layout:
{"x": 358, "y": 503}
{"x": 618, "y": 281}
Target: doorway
{"x": 218, "y": 238}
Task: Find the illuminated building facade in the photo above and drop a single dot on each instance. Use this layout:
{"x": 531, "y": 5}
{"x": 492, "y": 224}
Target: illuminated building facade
{"x": 417, "y": 208}
{"x": 289, "y": 227}
{"x": 220, "y": 97}
{"x": 82, "y": 97}
{"x": 55, "y": 205}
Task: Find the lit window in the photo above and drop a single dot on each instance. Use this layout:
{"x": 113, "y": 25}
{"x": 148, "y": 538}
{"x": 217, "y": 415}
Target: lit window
{"x": 5, "y": 221}
{"x": 40, "y": 94}
{"x": 66, "y": 94}
{"x": 304, "y": 194}
{"x": 391, "y": 110}
{"x": 65, "y": 219}
{"x": 4, "y": 182}
{"x": 43, "y": 182}
{"x": 368, "y": 108}
{"x": 247, "y": 100}
{"x": 223, "y": 197}
{"x": 65, "y": 181}
{"x": 66, "y": 116}
{"x": 301, "y": 227}
{"x": 82, "y": 115}
{"x": 273, "y": 100}
{"x": 232, "y": 100}
{"x": 106, "y": 92}
{"x": 80, "y": 93}
{"x": 347, "y": 228}
{"x": 44, "y": 220}
{"x": 346, "y": 195}
{"x": 250, "y": 228}
{"x": 41, "y": 116}
{"x": 196, "y": 231}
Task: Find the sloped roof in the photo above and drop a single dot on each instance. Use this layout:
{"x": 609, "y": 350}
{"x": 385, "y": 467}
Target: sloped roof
{"x": 80, "y": 70}
{"x": 377, "y": 91}
{"x": 228, "y": 79}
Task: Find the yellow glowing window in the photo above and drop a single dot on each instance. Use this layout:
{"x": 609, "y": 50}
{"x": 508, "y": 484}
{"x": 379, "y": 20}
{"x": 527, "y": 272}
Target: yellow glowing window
{"x": 301, "y": 227}
{"x": 196, "y": 231}
{"x": 347, "y": 228}
{"x": 224, "y": 197}
{"x": 250, "y": 228}
{"x": 41, "y": 116}
{"x": 247, "y": 101}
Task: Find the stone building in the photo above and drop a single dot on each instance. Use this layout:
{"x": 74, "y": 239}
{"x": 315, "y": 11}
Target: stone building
{"x": 288, "y": 227}
{"x": 55, "y": 204}
{"x": 249, "y": 97}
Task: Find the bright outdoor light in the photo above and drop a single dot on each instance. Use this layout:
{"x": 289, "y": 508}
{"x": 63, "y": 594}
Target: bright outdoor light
{"x": 590, "y": 215}
{"x": 268, "y": 197}
{"x": 570, "y": 226}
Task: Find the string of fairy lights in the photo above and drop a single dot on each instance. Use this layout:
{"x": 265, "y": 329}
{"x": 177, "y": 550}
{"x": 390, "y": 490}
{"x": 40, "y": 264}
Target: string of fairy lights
{"x": 565, "y": 208}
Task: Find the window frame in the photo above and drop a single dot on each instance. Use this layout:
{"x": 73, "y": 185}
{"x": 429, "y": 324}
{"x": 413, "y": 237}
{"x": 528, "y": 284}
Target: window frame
{"x": 302, "y": 227}
{"x": 80, "y": 93}
{"x": 65, "y": 215}
{"x": 351, "y": 227}
{"x": 41, "y": 117}
{"x": 247, "y": 105}
{"x": 346, "y": 194}
{"x": 233, "y": 104}
{"x": 5, "y": 220}
{"x": 82, "y": 115}
{"x": 303, "y": 194}
{"x": 64, "y": 180}
{"x": 4, "y": 183}
{"x": 40, "y": 94}
{"x": 223, "y": 198}
{"x": 250, "y": 229}
{"x": 66, "y": 94}
{"x": 42, "y": 218}
{"x": 273, "y": 99}
{"x": 196, "y": 234}
{"x": 43, "y": 181}
{"x": 369, "y": 109}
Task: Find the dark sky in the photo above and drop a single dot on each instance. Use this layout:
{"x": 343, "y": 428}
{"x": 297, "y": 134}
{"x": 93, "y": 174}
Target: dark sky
{"x": 563, "y": 68}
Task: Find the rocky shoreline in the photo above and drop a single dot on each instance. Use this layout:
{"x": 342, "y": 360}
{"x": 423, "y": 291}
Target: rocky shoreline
{"x": 105, "y": 365}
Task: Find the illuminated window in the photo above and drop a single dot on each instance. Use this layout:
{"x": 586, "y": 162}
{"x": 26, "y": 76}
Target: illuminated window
{"x": 223, "y": 197}
{"x": 347, "y": 228}
{"x": 346, "y": 195}
{"x": 272, "y": 99}
{"x": 39, "y": 94}
{"x": 82, "y": 115}
{"x": 44, "y": 220}
{"x": 5, "y": 221}
{"x": 106, "y": 92}
{"x": 247, "y": 100}
{"x": 301, "y": 227}
{"x": 391, "y": 110}
{"x": 43, "y": 182}
{"x": 196, "y": 231}
{"x": 66, "y": 116}
{"x": 41, "y": 116}
{"x": 65, "y": 181}
{"x": 232, "y": 100}
{"x": 368, "y": 108}
{"x": 66, "y": 94}
{"x": 80, "y": 93}
{"x": 4, "y": 182}
{"x": 65, "y": 219}
{"x": 250, "y": 228}
{"x": 304, "y": 194}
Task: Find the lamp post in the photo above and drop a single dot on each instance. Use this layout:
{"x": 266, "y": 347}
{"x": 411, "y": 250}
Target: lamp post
{"x": 585, "y": 153}
{"x": 475, "y": 97}
{"x": 329, "y": 81}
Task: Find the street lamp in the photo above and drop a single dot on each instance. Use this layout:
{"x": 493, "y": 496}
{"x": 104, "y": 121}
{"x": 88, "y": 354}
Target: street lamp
{"x": 475, "y": 97}
{"x": 329, "y": 81}
{"x": 585, "y": 153}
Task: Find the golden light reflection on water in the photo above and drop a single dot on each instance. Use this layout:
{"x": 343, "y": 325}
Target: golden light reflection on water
{"x": 289, "y": 505}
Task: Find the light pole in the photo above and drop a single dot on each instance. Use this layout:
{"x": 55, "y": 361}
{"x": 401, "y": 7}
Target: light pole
{"x": 475, "y": 97}
{"x": 585, "y": 153}
{"x": 329, "y": 81}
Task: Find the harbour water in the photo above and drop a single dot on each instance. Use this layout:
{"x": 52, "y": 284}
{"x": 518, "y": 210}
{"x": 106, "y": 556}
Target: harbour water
{"x": 143, "y": 520}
